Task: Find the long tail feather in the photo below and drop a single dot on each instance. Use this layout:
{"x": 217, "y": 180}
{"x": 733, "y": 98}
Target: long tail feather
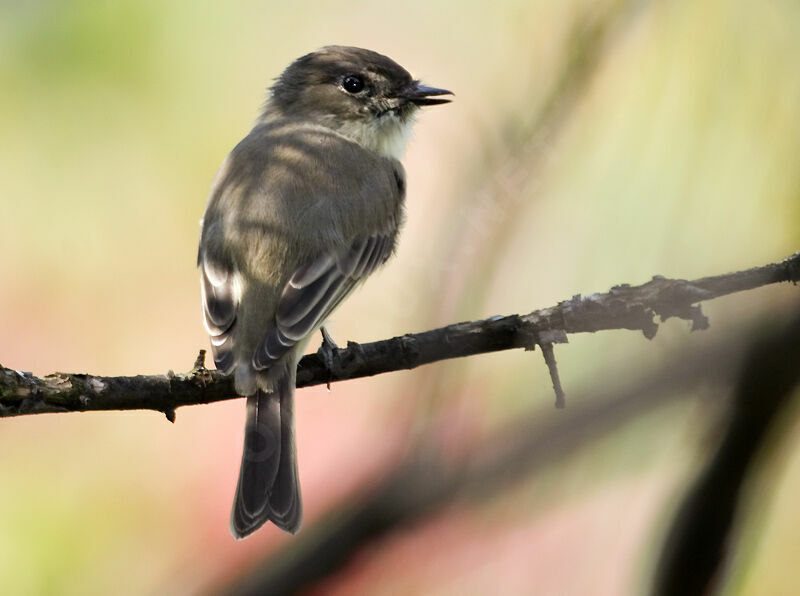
{"x": 268, "y": 488}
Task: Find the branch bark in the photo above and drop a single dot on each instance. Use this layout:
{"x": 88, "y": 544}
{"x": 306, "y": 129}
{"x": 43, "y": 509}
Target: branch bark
{"x": 623, "y": 307}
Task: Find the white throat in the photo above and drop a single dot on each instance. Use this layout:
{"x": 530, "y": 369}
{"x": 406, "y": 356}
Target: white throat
{"x": 386, "y": 136}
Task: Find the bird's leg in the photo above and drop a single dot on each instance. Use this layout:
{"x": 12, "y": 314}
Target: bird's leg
{"x": 327, "y": 340}
{"x": 326, "y": 350}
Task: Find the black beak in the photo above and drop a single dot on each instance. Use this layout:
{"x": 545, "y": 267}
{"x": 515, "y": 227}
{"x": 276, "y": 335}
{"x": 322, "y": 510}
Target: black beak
{"x": 425, "y": 96}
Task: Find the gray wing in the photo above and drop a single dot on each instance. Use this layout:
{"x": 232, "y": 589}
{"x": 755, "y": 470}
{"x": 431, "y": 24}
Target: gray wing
{"x": 315, "y": 290}
{"x": 220, "y": 302}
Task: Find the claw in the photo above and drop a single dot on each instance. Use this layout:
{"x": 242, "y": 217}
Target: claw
{"x": 327, "y": 340}
{"x": 326, "y": 351}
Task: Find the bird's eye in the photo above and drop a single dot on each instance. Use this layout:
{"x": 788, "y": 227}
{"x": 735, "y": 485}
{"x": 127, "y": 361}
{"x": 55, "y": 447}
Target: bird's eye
{"x": 353, "y": 84}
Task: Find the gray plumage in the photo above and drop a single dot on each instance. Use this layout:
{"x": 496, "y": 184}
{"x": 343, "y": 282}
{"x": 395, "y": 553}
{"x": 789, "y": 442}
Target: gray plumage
{"x": 303, "y": 209}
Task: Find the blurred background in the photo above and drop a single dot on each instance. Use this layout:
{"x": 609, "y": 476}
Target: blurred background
{"x": 590, "y": 143}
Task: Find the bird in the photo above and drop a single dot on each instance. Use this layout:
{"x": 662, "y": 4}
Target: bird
{"x": 301, "y": 212}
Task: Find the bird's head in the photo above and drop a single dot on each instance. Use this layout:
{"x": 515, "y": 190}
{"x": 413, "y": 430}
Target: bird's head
{"x": 360, "y": 94}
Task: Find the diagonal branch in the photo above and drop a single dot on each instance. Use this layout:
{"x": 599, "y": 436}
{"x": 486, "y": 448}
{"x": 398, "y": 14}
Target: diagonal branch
{"x": 701, "y": 538}
{"x": 427, "y": 482}
{"x": 623, "y": 307}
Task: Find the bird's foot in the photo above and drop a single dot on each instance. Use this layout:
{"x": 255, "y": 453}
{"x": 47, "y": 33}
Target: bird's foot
{"x": 327, "y": 351}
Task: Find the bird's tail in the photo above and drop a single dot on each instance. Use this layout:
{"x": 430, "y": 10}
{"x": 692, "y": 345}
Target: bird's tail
{"x": 268, "y": 486}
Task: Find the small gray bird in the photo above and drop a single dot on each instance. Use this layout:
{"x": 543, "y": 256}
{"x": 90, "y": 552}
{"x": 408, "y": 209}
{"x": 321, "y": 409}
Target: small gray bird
{"x": 302, "y": 210}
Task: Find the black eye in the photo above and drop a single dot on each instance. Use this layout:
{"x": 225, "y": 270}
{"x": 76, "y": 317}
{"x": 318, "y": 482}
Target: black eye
{"x": 353, "y": 83}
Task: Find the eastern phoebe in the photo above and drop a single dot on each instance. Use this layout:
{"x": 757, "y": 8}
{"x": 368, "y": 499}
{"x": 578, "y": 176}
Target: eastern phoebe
{"x": 301, "y": 211}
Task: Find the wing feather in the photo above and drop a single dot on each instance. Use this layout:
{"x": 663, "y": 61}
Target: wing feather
{"x": 297, "y": 301}
{"x": 314, "y": 291}
{"x": 220, "y": 302}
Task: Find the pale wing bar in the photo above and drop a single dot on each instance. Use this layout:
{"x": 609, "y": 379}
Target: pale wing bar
{"x": 219, "y": 311}
{"x": 314, "y": 291}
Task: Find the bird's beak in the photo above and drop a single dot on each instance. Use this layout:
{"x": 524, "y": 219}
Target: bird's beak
{"x": 425, "y": 96}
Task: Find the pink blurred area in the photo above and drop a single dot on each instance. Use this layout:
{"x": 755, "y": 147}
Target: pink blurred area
{"x": 459, "y": 552}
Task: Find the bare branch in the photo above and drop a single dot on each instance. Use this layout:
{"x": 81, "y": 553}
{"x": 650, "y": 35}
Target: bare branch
{"x": 624, "y": 307}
